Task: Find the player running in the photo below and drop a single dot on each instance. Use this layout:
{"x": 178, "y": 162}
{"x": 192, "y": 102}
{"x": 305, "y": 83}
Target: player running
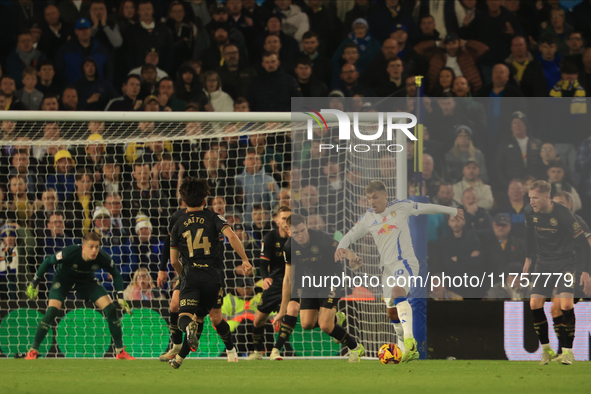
{"x": 582, "y": 282}
{"x": 309, "y": 253}
{"x": 75, "y": 268}
{"x": 272, "y": 270}
{"x": 215, "y": 315}
{"x": 552, "y": 232}
{"x": 387, "y": 221}
{"x": 195, "y": 238}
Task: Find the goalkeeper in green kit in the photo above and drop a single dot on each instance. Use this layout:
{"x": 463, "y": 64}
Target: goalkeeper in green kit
{"x": 75, "y": 268}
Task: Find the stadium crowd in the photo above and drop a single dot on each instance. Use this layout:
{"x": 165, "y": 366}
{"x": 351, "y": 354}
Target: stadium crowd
{"x": 247, "y": 55}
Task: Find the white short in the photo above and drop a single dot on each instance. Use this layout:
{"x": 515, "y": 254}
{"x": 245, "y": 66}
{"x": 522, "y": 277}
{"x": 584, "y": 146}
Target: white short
{"x": 398, "y": 274}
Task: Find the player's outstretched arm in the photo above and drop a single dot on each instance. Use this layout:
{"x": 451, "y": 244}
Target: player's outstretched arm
{"x": 32, "y": 290}
{"x": 355, "y": 261}
{"x": 162, "y": 272}
{"x": 358, "y": 231}
{"x": 174, "y": 260}
{"x": 237, "y": 246}
{"x": 434, "y": 209}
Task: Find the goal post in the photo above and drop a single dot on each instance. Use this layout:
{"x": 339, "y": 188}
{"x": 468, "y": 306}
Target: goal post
{"x": 117, "y": 173}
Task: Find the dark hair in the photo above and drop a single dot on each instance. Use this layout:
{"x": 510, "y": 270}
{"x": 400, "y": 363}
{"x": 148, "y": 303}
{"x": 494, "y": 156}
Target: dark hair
{"x": 569, "y": 68}
{"x": 251, "y": 151}
{"x": 309, "y": 34}
{"x": 81, "y": 174}
{"x": 145, "y": 2}
{"x": 547, "y": 39}
{"x": 269, "y": 54}
{"x": 350, "y": 45}
{"x": 305, "y": 60}
{"x": 166, "y": 79}
{"x": 556, "y": 164}
{"x": 91, "y": 236}
{"x": 45, "y": 62}
{"x": 395, "y": 58}
{"x": 258, "y": 207}
{"x": 6, "y": 76}
{"x": 48, "y": 96}
{"x": 132, "y": 76}
{"x": 426, "y": 16}
{"x": 194, "y": 191}
{"x": 443, "y": 184}
{"x": 240, "y": 100}
{"x": 296, "y": 220}
{"x": 166, "y": 156}
{"x": 283, "y": 208}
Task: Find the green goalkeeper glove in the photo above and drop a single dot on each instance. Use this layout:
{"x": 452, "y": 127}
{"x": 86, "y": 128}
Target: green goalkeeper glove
{"x": 32, "y": 291}
{"x": 123, "y": 304}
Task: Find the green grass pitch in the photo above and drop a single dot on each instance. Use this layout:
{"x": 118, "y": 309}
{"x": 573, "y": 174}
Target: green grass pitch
{"x": 290, "y": 376}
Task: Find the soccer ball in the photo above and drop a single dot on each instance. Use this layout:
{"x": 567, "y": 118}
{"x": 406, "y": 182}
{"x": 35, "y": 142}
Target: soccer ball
{"x": 390, "y": 354}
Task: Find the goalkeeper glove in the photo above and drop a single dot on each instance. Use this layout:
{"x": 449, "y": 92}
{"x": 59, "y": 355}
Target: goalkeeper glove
{"x": 32, "y": 291}
{"x": 122, "y": 303}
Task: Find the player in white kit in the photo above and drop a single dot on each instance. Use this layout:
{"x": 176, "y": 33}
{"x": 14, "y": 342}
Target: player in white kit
{"x": 387, "y": 221}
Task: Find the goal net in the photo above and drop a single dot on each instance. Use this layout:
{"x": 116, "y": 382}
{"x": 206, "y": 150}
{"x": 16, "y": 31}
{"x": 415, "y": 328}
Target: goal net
{"x": 65, "y": 174}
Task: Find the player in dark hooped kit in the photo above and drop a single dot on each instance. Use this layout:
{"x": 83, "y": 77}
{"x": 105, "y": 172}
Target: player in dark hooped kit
{"x": 215, "y": 315}
{"x": 552, "y": 232}
{"x": 310, "y": 252}
{"x": 75, "y": 268}
{"x": 582, "y": 282}
{"x": 196, "y": 240}
{"x": 272, "y": 266}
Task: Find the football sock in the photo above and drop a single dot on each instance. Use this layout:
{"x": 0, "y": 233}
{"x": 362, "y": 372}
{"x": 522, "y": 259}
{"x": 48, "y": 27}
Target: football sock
{"x": 184, "y": 321}
{"x": 559, "y": 330}
{"x": 568, "y": 321}
{"x": 257, "y": 338}
{"x": 176, "y": 335}
{"x": 405, "y": 316}
{"x": 399, "y": 335}
{"x": 289, "y": 323}
{"x": 343, "y": 337}
{"x": 44, "y": 326}
{"x": 223, "y": 330}
{"x": 541, "y": 325}
{"x": 114, "y": 325}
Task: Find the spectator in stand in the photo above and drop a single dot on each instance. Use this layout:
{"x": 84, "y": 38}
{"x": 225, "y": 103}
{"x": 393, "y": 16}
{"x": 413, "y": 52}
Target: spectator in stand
{"x": 129, "y": 101}
{"x": 350, "y": 56}
{"x": 525, "y": 70}
{"x": 260, "y": 224}
{"x": 282, "y": 45}
{"x": 460, "y": 253}
{"x": 519, "y": 154}
{"x": 142, "y": 287}
{"x": 513, "y": 207}
{"x": 28, "y": 95}
{"x": 443, "y": 83}
{"x": 576, "y": 48}
{"x": 361, "y": 9}
{"x": 376, "y": 73}
{"x": 219, "y": 100}
{"x": 294, "y": 22}
{"x": 569, "y": 85}
{"x": 395, "y": 82}
{"x": 309, "y": 86}
{"x": 63, "y": 181}
{"x": 149, "y": 79}
{"x": 24, "y": 55}
{"x": 477, "y": 219}
{"x": 495, "y": 28}
{"x": 459, "y": 55}
{"x": 184, "y": 34}
{"x": 585, "y": 72}
{"x": 152, "y": 58}
{"x": 54, "y": 238}
{"x": 50, "y": 103}
{"x": 8, "y": 87}
{"x": 432, "y": 180}
{"x": 351, "y": 85}
{"x": 80, "y": 205}
{"x": 217, "y": 177}
{"x": 94, "y": 93}
{"x": 147, "y": 247}
{"x": 550, "y": 60}
{"x": 20, "y": 204}
{"x": 218, "y": 205}
{"x": 141, "y": 37}
{"x": 548, "y": 154}
{"x": 556, "y": 179}
{"x": 413, "y": 62}
{"x": 387, "y": 14}
{"x": 69, "y": 99}
{"x": 9, "y": 262}
{"x": 582, "y": 14}
{"x": 54, "y": 32}
{"x": 71, "y": 11}
{"x": 427, "y": 30}
{"x": 104, "y": 29}
{"x": 273, "y": 89}
{"x": 69, "y": 58}
{"x": 241, "y": 105}
{"x": 321, "y": 68}
{"x": 47, "y": 83}
{"x": 472, "y": 179}
{"x": 21, "y": 165}
{"x": 167, "y": 98}
{"x": 310, "y": 203}
{"x": 558, "y": 29}
{"x": 49, "y": 205}
{"x": 212, "y": 56}
{"x": 325, "y": 22}
{"x": 235, "y": 79}
{"x": 119, "y": 224}
{"x": 502, "y": 249}
{"x": 220, "y": 18}
{"x": 463, "y": 152}
{"x": 198, "y": 10}
{"x": 367, "y": 46}
{"x": 259, "y": 187}
{"x": 187, "y": 87}
{"x": 118, "y": 247}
